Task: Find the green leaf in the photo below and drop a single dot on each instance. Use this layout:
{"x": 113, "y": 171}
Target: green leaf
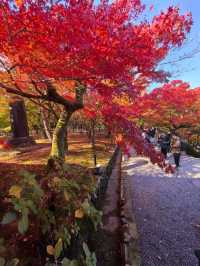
{"x": 92, "y": 213}
{"x": 90, "y": 259}
{"x": 67, "y": 236}
{"x": 13, "y": 262}
{"x": 23, "y": 223}
{"x": 9, "y": 217}
{"x": 2, "y": 261}
{"x": 86, "y": 249}
{"x": 58, "y": 248}
{"x": 27, "y": 175}
{"x": 32, "y": 206}
{"x": 17, "y": 204}
{"x": 67, "y": 262}
{"x": 49, "y": 264}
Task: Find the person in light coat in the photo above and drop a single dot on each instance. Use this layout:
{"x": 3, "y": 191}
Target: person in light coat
{"x": 176, "y": 149}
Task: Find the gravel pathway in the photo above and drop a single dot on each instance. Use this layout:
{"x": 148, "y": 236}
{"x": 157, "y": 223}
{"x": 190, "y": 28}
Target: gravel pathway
{"x": 167, "y": 209}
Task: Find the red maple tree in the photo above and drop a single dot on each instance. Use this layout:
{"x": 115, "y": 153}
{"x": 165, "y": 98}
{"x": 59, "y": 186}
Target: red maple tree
{"x": 102, "y": 48}
{"x": 172, "y": 107}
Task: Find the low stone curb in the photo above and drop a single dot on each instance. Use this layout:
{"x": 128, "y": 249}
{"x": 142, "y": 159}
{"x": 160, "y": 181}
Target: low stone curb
{"x": 103, "y": 180}
{"x": 108, "y": 238}
{"x": 130, "y": 237}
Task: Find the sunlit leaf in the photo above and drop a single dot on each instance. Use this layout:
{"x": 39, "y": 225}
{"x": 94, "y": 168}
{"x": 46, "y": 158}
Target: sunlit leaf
{"x": 15, "y": 191}
{"x": 66, "y": 195}
{"x": 58, "y": 248}
{"x": 19, "y": 2}
{"x": 50, "y": 250}
{"x": 79, "y": 213}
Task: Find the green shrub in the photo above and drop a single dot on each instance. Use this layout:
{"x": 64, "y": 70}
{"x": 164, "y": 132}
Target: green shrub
{"x": 190, "y": 150}
{"x": 58, "y": 211}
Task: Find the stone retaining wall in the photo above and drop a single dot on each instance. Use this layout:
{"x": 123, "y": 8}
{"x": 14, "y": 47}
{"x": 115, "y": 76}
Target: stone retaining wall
{"x": 103, "y": 180}
{"x": 130, "y": 247}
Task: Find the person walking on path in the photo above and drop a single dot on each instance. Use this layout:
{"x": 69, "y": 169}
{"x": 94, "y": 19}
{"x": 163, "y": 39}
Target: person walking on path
{"x": 176, "y": 149}
{"x": 165, "y": 144}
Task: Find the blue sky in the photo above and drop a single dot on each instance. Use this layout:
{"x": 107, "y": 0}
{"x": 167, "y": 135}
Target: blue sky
{"x": 188, "y": 69}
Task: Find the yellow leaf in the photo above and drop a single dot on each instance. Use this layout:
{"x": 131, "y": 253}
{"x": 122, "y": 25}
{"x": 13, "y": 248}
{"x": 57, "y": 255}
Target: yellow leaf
{"x": 66, "y": 195}
{"x": 58, "y": 248}
{"x": 79, "y": 213}
{"x": 50, "y": 250}
{"x": 15, "y": 191}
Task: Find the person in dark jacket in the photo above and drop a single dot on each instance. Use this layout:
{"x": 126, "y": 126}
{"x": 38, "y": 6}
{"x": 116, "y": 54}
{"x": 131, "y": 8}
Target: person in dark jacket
{"x": 165, "y": 144}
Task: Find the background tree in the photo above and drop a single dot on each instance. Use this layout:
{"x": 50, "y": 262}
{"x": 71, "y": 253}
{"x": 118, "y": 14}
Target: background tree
{"x": 4, "y": 114}
{"x": 172, "y": 107}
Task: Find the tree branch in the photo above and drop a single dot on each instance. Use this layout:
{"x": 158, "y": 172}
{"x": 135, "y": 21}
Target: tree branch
{"x": 51, "y": 95}
{"x": 181, "y": 126}
{"x": 19, "y": 92}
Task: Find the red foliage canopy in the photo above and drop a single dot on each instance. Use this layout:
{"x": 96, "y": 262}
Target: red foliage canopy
{"x": 101, "y": 46}
{"x": 81, "y": 41}
{"x": 175, "y": 105}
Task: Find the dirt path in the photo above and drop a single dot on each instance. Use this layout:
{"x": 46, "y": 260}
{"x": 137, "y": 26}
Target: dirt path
{"x": 167, "y": 209}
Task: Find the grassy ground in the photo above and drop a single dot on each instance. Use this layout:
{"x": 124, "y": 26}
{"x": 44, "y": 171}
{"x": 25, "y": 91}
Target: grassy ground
{"x": 33, "y": 158}
{"x": 80, "y": 152}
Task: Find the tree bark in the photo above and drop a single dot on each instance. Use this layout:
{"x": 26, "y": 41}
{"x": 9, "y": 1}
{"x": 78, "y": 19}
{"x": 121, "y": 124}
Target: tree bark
{"x": 46, "y": 129}
{"x": 59, "y": 144}
{"x": 58, "y": 147}
{"x": 93, "y": 142}
{"x": 66, "y": 142}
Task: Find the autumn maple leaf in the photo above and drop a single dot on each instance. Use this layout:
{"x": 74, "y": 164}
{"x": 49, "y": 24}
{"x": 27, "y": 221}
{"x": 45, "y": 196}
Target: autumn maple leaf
{"x": 19, "y": 2}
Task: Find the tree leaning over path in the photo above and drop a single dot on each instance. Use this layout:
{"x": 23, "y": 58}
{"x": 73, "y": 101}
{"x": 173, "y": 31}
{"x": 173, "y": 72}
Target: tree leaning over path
{"x": 45, "y": 44}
